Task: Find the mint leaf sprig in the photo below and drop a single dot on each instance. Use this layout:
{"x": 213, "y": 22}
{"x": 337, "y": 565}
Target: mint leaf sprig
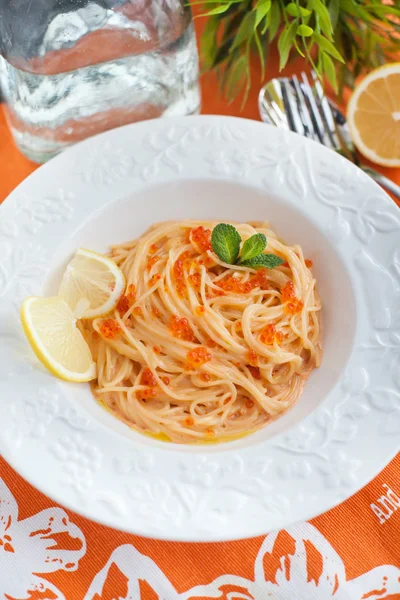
{"x": 226, "y": 240}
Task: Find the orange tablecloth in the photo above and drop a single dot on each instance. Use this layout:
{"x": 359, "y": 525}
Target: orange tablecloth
{"x": 46, "y": 553}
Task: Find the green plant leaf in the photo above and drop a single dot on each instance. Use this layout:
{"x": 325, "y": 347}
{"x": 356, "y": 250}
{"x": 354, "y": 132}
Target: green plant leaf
{"x": 334, "y": 12}
{"x": 253, "y": 247}
{"x": 225, "y": 241}
{"x": 266, "y": 261}
{"x": 275, "y": 20}
{"x": 327, "y": 46}
{"x": 261, "y": 53}
{"x": 245, "y": 31}
{"x": 285, "y": 42}
{"x": 218, "y": 10}
{"x": 262, "y": 8}
{"x": 304, "y": 31}
{"x": 323, "y": 17}
{"x": 329, "y": 69}
{"x": 295, "y": 10}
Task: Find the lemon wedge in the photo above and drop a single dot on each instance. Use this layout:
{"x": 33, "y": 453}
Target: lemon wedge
{"x": 373, "y": 116}
{"x": 92, "y": 284}
{"x": 50, "y": 327}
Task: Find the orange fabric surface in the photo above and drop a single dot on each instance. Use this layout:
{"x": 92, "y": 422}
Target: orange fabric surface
{"x": 351, "y": 552}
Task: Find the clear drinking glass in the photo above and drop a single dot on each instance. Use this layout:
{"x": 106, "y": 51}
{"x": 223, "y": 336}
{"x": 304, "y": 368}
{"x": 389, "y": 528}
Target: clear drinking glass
{"x": 73, "y": 68}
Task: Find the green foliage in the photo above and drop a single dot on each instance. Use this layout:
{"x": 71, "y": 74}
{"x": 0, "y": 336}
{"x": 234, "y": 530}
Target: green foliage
{"x": 339, "y": 38}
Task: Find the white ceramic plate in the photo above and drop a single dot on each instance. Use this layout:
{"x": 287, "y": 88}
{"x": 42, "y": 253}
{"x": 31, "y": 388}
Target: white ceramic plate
{"x": 346, "y": 425}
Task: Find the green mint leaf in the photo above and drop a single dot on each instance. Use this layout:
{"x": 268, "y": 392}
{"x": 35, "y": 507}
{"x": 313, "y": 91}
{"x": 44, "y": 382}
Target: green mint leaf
{"x": 253, "y": 247}
{"x": 225, "y": 241}
{"x": 266, "y": 261}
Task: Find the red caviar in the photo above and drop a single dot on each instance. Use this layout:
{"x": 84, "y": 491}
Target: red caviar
{"x": 153, "y": 280}
{"x": 235, "y": 285}
{"x": 252, "y": 358}
{"x": 249, "y": 403}
{"x": 179, "y": 276}
{"x": 189, "y": 422}
{"x": 198, "y": 356}
{"x": 110, "y": 328}
{"x": 269, "y": 335}
{"x": 137, "y": 311}
{"x": 153, "y": 249}
{"x": 149, "y": 392}
{"x": 151, "y": 262}
{"x": 201, "y": 238}
{"x": 147, "y": 378}
{"x": 156, "y": 349}
{"x": 180, "y": 328}
{"x": 210, "y": 431}
{"x": 288, "y": 291}
{"x": 255, "y": 371}
{"x": 211, "y": 343}
{"x": 126, "y": 301}
{"x": 200, "y": 310}
{"x": 205, "y": 377}
{"x": 195, "y": 280}
{"x": 123, "y": 305}
{"x": 166, "y": 380}
{"x": 155, "y": 312}
{"x": 294, "y": 305}
{"x": 309, "y": 263}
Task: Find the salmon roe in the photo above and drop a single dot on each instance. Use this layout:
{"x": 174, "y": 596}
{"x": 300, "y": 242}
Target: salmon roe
{"x": 126, "y": 301}
{"x": 255, "y": 371}
{"x": 155, "y": 312}
{"x": 151, "y": 262}
{"x": 269, "y": 335}
{"x": 200, "y": 310}
{"x": 309, "y": 263}
{"x": 294, "y": 305}
{"x": 156, "y": 349}
{"x": 201, "y": 238}
{"x": 123, "y": 305}
{"x": 198, "y": 356}
{"x": 179, "y": 276}
{"x": 131, "y": 293}
{"x": 235, "y": 285}
{"x": 205, "y": 376}
{"x": 180, "y": 329}
{"x": 149, "y": 392}
{"x": 137, "y": 311}
{"x": 189, "y": 422}
{"x": 148, "y": 378}
{"x": 249, "y": 403}
{"x": 252, "y": 358}
{"x": 195, "y": 280}
{"x": 153, "y": 249}
{"x": 166, "y": 380}
{"x": 288, "y": 291}
{"x": 110, "y": 328}
{"x": 153, "y": 280}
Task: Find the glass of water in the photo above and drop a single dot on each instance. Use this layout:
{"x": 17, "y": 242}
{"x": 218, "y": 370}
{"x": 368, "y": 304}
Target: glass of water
{"x": 73, "y": 68}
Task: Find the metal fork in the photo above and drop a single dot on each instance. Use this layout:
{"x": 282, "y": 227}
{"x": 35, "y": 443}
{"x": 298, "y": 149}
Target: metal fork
{"x": 297, "y": 105}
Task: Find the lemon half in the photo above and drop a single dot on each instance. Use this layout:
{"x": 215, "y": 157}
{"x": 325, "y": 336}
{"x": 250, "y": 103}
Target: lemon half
{"x": 50, "y": 327}
{"x": 374, "y": 116}
{"x": 95, "y": 279}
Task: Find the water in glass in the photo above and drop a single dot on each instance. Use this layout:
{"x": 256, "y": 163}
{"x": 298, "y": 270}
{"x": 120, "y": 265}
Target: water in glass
{"x": 73, "y": 68}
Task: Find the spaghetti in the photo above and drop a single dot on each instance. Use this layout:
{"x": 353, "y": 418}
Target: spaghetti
{"x": 200, "y": 350}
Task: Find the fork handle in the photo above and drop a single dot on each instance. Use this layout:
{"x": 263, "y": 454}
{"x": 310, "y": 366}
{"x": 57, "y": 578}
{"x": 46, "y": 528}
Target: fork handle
{"x": 385, "y": 182}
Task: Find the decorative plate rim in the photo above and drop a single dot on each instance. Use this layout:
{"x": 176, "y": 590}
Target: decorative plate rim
{"x": 198, "y": 496}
